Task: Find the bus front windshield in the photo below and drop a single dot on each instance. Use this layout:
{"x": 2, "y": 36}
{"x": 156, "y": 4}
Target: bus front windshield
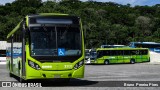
{"x": 55, "y": 41}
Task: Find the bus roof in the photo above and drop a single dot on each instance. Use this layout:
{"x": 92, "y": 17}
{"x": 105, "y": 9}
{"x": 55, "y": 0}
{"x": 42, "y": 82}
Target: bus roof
{"x": 48, "y": 14}
{"x": 34, "y": 15}
{"x": 122, "y": 48}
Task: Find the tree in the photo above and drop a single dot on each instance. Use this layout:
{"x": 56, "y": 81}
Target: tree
{"x": 103, "y": 22}
{"x": 144, "y": 24}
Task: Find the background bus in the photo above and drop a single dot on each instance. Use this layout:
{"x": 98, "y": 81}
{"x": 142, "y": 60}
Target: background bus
{"x": 2, "y": 56}
{"x": 45, "y": 46}
{"x": 153, "y": 46}
{"x": 113, "y": 46}
{"x": 121, "y": 55}
{"x": 90, "y": 55}
{"x": 87, "y": 56}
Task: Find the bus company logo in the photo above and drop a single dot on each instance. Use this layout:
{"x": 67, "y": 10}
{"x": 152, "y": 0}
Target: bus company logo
{"x": 6, "y": 84}
{"x": 48, "y": 66}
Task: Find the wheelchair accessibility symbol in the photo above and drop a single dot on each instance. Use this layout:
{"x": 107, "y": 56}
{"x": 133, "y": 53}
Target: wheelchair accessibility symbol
{"x": 61, "y": 52}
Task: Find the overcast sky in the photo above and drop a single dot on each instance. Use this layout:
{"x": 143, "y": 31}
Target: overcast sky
{"x": 124, "y": 2}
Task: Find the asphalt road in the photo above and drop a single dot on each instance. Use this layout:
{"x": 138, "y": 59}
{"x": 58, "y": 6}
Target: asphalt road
{"x": 102, "y": 77}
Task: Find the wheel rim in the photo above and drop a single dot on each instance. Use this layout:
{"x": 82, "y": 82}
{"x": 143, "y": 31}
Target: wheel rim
{"x": 106, "y": 62}
{"x": 132, "y": 61}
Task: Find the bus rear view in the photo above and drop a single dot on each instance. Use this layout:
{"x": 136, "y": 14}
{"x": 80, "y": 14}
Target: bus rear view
{"x": 53, "y": 47}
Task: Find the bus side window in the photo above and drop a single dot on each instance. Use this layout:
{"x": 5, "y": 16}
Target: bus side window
{"x": 106, "y": 52}
{"x": 133, "y": 52}
{"x": 113, "y": 52}
{"x": 144, "y": 52}
{"x": 137, "y": 52}
{"x": 126, "y": 52}
{"x": 140, "y": 52}
{"x": 119, "y": 52}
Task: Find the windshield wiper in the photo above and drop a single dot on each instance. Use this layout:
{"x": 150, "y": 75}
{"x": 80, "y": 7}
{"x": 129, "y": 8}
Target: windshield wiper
{"x": 64, "y": 34}
{"x": 47, "y": 32}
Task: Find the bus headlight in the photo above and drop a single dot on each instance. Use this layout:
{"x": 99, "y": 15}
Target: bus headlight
{"x": 33, "y": 65}
{"x": 79, "y": 64}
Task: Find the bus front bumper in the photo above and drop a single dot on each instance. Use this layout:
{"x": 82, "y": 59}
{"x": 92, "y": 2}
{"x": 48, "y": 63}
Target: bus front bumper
{"x": 40, "y": 74}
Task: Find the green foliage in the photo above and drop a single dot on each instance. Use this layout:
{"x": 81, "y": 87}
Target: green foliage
{"x": 103, "y": 23}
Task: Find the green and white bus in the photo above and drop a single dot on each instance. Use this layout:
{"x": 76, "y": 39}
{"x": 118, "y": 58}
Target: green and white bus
{"x": 121, "y": 55}
{"x": 46, "y": 46}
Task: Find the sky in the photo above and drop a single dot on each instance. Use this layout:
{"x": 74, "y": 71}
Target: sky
{"x": 124, "y": 2}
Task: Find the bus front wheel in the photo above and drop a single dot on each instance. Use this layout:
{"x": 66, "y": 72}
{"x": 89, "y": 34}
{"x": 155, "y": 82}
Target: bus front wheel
{"x": 10, "y": 74}
{"x": 106, "y": 62}
{"x": 132, "y": 61}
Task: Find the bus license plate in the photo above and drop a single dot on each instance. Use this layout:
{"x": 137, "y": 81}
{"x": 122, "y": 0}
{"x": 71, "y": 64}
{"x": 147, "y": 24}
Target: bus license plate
{"x": 57, "y": 76}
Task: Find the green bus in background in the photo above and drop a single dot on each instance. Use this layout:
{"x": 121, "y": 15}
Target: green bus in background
{"x": 121, "y": 55}
{"x": 46, "y": 46}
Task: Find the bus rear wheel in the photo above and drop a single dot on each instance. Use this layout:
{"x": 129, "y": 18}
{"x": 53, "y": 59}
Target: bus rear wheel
{"x": 106, "y": 62}
{"x": 132, "y": 61}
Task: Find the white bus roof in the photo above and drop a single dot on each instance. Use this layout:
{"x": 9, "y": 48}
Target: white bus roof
{"x": 112, "y": 45}
{"x": 146, "y": 42}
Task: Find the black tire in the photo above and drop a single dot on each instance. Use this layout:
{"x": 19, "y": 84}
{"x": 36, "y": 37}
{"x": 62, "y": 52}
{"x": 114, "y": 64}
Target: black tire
{"x": 106, "y": 62}
{"x": 10, "y": 75}
{"x": 21, "y": 80}
{"x": 149, "y": 60}
{"x": 132, "y": 61}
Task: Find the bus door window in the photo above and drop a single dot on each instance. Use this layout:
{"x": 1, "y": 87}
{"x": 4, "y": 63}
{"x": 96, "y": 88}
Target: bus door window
{"x": 99, "y": 54}
{"x": 120, "y": 56}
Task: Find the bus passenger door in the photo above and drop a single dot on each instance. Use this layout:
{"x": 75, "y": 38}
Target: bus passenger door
{"x": 126, "y": 56}
{"x": 133, "y": 55}
{"x": 113, "y": 56}
{"x": 120, "y": 56}
{"x": 144, "y": 55}
{"x": 138, "y": 56}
